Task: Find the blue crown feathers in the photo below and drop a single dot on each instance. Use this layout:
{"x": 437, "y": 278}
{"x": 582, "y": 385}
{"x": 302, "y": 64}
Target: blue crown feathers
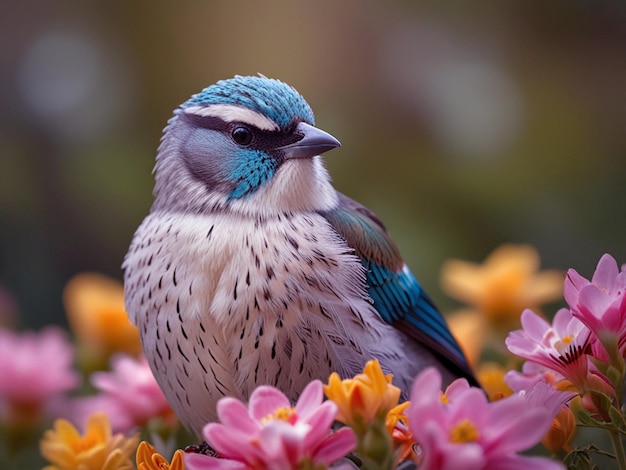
{"x": 267, "y": 96}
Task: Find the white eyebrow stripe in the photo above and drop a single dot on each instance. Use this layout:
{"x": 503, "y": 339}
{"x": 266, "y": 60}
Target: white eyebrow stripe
{"x": 232, "y": 113}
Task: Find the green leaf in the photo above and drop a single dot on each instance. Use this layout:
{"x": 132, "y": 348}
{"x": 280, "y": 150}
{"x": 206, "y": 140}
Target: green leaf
{"x": 617, "y": 418}
{"x": 601, "y": 365}
{"x": 583, "y": 417}
{"x": 614, "y": 375}
{"x": 603, "y": 402}
{"x": 578, "y": 459}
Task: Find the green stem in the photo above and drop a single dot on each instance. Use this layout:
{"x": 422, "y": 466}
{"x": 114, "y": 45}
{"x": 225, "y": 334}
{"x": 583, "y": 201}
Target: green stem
{"x": 598, "y": 426}
{"x": 375, "y": 446}
{"x": 618, "y": 447}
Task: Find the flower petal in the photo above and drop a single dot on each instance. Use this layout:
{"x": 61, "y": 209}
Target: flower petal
{"x": 320, "y": 423}
{"x": 521, "y": 345}
{"x": 426, "y": 402}
{"x": 572, "y": 285}
{"x": 310, "y": 399}
{"x": 336, "y": 446}
{"x": 523, "y": 428}
{"x": 521, "y": 462}
{"x": 456, "y": 388}
{"x": 606, "y": 273}
{"x": 440, "y": 454}
{"x": 265, "y": 400}
{"x": 534, "y": 326}
{"x": 202, "y": 462}
{"x": 230, "y": 442}
{"x": 282, "y": 444}
{"x": 233, "y": 413}
{"x": 596, "y": 300}
{"x": 472, "y": 405}
{"x": 561, "y": 322}
{"x": 426, "y": 388}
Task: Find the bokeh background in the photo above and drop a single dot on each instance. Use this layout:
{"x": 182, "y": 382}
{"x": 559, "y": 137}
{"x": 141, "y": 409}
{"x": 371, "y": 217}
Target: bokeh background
{"x": 464, "y": 124}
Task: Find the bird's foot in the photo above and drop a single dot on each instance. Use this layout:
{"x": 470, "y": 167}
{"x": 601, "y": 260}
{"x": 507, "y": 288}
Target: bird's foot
{"x": 202, "y": 448}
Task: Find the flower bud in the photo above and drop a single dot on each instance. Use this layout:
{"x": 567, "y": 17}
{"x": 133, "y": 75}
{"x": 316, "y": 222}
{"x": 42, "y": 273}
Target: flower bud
{"x": 561, "y": 432}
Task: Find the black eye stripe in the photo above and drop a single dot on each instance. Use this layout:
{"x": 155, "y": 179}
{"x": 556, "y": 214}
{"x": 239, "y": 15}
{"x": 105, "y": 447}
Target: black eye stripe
{"x": 206, "y": 122}
{"x": 261, "y": 139}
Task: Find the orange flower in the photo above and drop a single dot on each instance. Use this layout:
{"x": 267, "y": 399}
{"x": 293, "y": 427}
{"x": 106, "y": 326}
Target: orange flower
{"x": 470, "y": 330}
{"x": 396, "y": 415}
{"x": 559, "y": 436}
{"x": 490, "y": 375}
{"x": 95, "y": 310}
{"x": 97, "y": 449}
{"x": 504, "y": 285}
{"x": 397, "y": 427}
{"x": 149, "y": 459}
{"x": 365, "y": 397}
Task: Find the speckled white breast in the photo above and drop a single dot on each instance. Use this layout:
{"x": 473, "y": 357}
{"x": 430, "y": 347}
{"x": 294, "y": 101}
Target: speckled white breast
{"x": 224, "y": 303}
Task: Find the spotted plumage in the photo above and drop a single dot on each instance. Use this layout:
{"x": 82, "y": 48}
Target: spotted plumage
{"x": 251, "y": 268}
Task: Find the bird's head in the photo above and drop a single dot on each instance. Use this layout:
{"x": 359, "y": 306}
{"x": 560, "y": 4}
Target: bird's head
{"x": 248, "y": 145}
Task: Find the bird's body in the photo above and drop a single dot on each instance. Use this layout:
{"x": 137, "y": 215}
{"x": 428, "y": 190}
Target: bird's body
{"x": 252, "y": 269}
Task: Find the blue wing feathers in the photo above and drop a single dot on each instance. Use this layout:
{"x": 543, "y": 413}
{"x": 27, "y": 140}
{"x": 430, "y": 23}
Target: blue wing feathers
{"x": 395, "y": 292}
{"x": 399, "y": 296}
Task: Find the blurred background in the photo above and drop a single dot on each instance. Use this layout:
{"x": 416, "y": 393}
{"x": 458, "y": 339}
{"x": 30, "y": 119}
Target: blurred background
{"x": 464, "y": 125}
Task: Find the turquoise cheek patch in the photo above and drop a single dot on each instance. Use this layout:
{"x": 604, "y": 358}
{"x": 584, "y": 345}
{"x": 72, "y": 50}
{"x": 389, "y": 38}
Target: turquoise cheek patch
{"x": 251, "y": 170}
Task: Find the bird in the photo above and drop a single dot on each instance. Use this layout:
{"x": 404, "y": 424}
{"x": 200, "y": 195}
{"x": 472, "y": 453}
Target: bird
{"x": 251, "y": 268}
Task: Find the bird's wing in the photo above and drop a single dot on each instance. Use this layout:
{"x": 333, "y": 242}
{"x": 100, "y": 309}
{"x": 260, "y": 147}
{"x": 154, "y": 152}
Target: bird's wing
{"x": 397, "y": 296}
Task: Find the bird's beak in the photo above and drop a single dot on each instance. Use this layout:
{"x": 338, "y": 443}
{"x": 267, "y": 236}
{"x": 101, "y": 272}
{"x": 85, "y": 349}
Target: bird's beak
{"x": 314, "y": 142}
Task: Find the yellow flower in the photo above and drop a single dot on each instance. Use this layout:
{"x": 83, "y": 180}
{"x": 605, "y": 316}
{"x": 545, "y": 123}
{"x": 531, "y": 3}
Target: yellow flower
{"x": 490, "y": 375}
{"x": 361, "y": 399}
{"x": 149, "y": 459}
{"x": 97, "y": 449}
{"x": 504, "y": 285}
{"x": 95, "y": 310}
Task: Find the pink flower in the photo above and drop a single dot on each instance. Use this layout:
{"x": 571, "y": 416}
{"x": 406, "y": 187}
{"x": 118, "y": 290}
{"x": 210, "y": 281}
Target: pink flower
{"x": 545, "y": 395}
{"x": 601, "y": 303}
{"x": 35, "y": 372}
{"x": 562, "y": 346}
{"x": 461, "y": 429}
{"x": 270, "y": 433}
{"x": 530, "y": 375}
{"x": 129, "y": 395}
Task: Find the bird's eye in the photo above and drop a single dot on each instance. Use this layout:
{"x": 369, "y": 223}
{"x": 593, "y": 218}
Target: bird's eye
{"x": 242, "y": 136}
